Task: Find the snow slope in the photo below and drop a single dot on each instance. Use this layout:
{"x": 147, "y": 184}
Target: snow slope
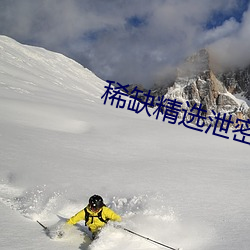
{"x": 60, "y": 144}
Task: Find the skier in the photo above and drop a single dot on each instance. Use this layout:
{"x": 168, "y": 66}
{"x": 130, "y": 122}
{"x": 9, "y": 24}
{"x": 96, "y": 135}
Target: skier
{"x": 95, "y": 214}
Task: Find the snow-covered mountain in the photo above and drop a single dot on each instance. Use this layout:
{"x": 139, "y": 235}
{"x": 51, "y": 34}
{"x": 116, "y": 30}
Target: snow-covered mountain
{"x": 26, "y": 70}
{"x": 59, "y": 145}
{"x": 200, "y": 81}
{"x": 37, "y": 75}
{"x": 197, "y": 82}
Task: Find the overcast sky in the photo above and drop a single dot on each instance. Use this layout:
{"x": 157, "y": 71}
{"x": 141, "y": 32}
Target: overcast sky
{"x": 131, "y": 41}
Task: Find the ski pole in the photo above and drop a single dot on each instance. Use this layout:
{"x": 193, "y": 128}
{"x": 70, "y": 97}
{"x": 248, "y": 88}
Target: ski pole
{"x": 146, "y": 238}
{"x": 45, "y": 228}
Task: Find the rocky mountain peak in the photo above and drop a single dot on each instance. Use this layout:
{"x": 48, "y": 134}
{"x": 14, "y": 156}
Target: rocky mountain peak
{"x": 197, "y": 83}
{"x": 194, "y": 65}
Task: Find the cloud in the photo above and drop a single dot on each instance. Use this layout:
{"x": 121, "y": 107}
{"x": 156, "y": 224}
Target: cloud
{"x": 128, "y": 41}
{"x": 232, "y": 50}
{"x": 228, "y": 28}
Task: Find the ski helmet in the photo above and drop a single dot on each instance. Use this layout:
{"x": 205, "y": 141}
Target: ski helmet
{"x": 95, "y": 202}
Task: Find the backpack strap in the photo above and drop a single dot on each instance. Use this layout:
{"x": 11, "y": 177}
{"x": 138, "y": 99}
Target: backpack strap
{"x": 100, "y": 217}
{"x": 88, "y": 216}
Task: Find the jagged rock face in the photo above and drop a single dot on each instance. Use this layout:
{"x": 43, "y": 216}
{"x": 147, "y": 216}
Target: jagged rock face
{"x": 237, "y": 81}
{"x": 197, "y": 83}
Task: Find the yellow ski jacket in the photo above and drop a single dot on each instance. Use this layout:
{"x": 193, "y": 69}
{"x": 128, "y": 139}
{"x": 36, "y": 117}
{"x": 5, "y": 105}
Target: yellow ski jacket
{"x": 94, "y": 223}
